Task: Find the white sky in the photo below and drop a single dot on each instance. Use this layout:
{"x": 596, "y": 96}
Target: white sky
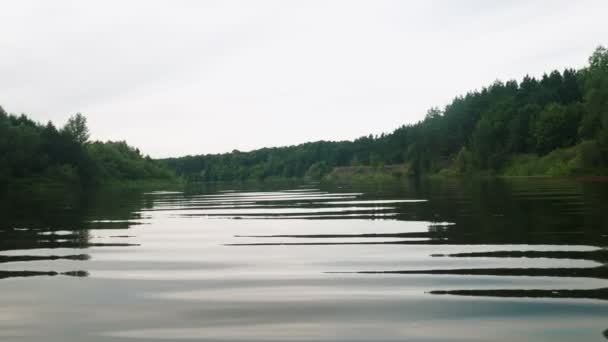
{"x": 192, "y": 77}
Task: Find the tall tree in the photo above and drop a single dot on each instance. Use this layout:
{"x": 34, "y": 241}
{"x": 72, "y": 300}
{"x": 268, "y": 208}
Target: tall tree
{"x": 76, "y": 128}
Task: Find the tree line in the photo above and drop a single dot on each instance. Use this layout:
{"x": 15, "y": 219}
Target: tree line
{"x": 559, "y": 119}
{"x": 556, "y": 124}
{"x": 32, "y": 151}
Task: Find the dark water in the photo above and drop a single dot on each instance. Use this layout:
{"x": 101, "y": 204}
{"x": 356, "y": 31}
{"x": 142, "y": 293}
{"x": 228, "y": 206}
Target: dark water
{"x": 517, "y": 260}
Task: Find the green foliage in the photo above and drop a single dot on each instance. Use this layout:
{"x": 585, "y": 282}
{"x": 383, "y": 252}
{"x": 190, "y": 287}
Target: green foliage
{"x": 463, "y": 163}
{"x": 591, "y": 155}
{"x": 318, "y": 170}
{"x": 367, "y": 173}
{"x": 76, "y": 128}
{"x": 117, "y": 160}
{"x": 482, "y": 132}
{"x": 596, "y": 98}
{"x": 582, "y": 159}
{"x": 554, "y": 125}
{"x": 29, "y": 150}
{"x": 479, "y": 131}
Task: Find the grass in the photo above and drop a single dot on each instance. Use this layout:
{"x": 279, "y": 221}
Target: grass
{"x": 368, "y": 173}
{"x": 582, "y": 159}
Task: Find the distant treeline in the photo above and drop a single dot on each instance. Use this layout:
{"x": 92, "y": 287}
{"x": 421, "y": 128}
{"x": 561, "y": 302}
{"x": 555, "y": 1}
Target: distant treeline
{"x": 555, "y": 125}
{"x": 30, "y": 151}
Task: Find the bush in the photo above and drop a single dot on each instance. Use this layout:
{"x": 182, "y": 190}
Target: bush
{"x": 584, "y": 158}
{"x": 590, "y": 154}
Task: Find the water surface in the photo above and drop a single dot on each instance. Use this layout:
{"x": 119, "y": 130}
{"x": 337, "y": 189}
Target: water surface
{"x": 492, "y": 260}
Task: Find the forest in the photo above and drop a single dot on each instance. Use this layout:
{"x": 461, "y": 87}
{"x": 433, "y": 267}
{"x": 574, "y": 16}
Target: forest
{"x": 34, "y": 153}
{"x": 555, "y": 125}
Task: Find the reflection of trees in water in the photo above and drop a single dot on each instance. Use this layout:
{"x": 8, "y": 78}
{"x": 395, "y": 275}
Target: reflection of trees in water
{"x": 599, "y": 272}
{"x": 492, "y": 212}
{"x": 598, "y": 255}
{"x": 599, "y": 294}
{"x": 18, "y": 258}
{"x": 22, "y": 274}
{"x": 58, "y": 208}
{"x": 52, "y": 218}
{"x": 519, "y": 207}
{"x": 483, "y": 207}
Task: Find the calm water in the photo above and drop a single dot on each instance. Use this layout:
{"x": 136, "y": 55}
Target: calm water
{"x": 518, "y": 260}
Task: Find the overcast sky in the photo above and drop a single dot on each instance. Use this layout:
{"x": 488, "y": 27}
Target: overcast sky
{"x": 192, "y": 77}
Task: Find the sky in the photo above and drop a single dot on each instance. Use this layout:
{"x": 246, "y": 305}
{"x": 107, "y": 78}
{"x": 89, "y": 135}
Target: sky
{"x": 181, "y": 77}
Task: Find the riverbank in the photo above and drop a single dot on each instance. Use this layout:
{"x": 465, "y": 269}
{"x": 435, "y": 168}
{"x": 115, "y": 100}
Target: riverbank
{"x": 51, "y": 185}
{"x": 583, "y": 161}
{"x": 369, "y": 173}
